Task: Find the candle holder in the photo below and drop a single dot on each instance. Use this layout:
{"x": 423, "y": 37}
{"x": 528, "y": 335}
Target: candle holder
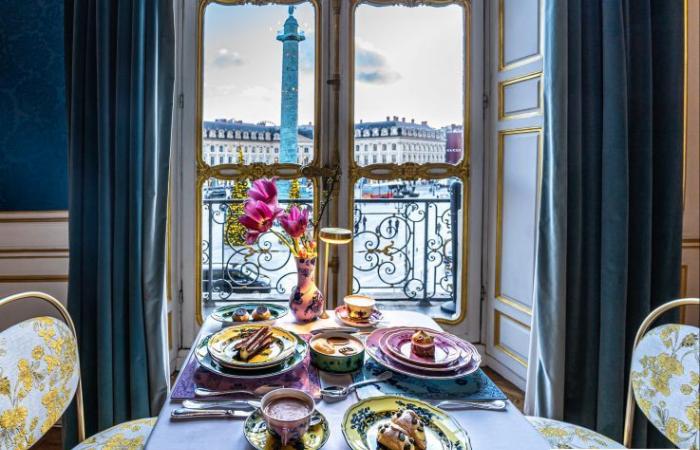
{"x": 335, "y": 236}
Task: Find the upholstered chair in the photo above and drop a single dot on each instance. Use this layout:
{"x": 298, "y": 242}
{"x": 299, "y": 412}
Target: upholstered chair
{"x": 40, "y": 375}
{"x": 664, "y": 381}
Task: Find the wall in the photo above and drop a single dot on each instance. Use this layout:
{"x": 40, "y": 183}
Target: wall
{"x": 33, "y": 153}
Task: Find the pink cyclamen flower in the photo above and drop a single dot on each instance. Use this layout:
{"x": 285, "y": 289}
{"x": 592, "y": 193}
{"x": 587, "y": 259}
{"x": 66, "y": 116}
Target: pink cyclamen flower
{"x": 295, "y": 221}
{"x": 264, "y": 190}
{"x": 257, "y": 218}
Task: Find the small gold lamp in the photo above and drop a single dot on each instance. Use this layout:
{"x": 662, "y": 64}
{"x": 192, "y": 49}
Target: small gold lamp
{"x": 335, "y": 236}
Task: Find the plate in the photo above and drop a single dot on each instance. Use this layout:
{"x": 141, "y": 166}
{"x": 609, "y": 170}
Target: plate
{"x": 411, "y": 370}
{"x": 341, "y": 312}
{"x": 362, "y": 420}
{"x": 255, "y": 431}
{"x": 225, "y": 313}
{"x": 221, "y": 347}
{"x": 208, "y": 363}
{"x": 447, "y": 350}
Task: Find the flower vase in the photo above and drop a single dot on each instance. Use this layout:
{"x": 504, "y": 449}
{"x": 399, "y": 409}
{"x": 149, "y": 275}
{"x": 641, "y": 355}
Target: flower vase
{"x": 306, "y": 301}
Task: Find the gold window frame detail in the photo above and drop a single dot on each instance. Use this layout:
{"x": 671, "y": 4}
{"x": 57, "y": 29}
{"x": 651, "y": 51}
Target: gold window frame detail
{"x": 499, "y": 210}
{"x": 502, "y": 66}
{"x": 286, "y": 171}
{"x": 497, "y": 314}
{"x": 411, "y": 170}
{"x": 531, "y": 112}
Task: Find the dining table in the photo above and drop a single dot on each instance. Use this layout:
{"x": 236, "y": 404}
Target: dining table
{"x": 492, "y": 430}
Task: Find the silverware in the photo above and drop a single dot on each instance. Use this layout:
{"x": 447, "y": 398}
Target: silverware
{"x": 186, "y": 413}
{"x": 228, "y": 404}
{"x": 493, "y": 405}
{"x": 349, "y": 330}
{"x": 257, "y": 392}
{"x": 337, "y": 393}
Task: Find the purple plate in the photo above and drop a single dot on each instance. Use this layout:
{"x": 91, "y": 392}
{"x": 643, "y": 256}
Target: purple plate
{"x": 398, "y": 343}
{"x": 373, "y": 349}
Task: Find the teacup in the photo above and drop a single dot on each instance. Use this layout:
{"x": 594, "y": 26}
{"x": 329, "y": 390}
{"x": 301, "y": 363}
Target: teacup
{"x": 359, "y": 306}
{"x": 287, "y": 413}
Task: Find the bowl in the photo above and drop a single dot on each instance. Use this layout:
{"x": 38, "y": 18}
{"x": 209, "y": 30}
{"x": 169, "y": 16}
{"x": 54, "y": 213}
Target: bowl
{"x": 359, "y": 306}
{"x": 337, "y": 352}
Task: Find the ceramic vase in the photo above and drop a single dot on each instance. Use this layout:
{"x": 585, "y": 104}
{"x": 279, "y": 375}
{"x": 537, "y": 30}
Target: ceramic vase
{"x": 306, "y": 301}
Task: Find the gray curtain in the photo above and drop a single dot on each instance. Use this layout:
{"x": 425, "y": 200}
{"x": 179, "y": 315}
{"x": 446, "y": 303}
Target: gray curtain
{"x": 119, "y": 77}
{"x": 609, "y": 240}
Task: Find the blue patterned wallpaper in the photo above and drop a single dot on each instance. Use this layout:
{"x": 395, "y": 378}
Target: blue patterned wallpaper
{"x": 33, "y": 152}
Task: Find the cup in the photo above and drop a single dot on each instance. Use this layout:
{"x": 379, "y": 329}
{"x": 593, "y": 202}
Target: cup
{"x": 287, "y": 413}
{"x": 359, "y": 306}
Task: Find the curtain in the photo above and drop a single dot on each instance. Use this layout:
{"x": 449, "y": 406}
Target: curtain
{"x": 119, "y": 83}
{"x": 609, "y": 236}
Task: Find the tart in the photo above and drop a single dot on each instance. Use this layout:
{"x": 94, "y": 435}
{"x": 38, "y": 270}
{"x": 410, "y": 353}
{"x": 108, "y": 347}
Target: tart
{"x": 241, "y": 315}
{"x": 262, "y": 313}
{"x": 423, "y": 344}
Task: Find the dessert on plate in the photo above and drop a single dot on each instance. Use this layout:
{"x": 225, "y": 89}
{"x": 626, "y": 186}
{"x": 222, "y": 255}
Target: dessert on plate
{"x": 262, "y": 313}
{"x": 423, "y": 344}
{"x": 241, "y": 315}
{"x": 254, "y": 344}
{"x": 405, "y": 432}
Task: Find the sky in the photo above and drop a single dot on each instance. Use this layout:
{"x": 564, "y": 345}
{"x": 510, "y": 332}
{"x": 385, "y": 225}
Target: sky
{"x": 408, "y": 63}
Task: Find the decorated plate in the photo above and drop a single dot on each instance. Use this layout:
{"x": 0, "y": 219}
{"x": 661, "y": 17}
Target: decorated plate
{"x": 255, "y": 430}
{"x": 221, "y": 347}
{"x": 342, "y": 313}
{"x": 362, "y": 420}
{"x": 225, "y": 313}
{"x": 207, "y": 362}
{"x": 448, "y": 352}
{"x": 439, "y": 373}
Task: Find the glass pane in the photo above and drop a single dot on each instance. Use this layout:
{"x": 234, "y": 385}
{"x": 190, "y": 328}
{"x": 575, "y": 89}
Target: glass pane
{"x": 405, "y": 239}
{"x": 230, "y": 269}
{"x": 408, "y": 91}
{"x": 258, "y": 84}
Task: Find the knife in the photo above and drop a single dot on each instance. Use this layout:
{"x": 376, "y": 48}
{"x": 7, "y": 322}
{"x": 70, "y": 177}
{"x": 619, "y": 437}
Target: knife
{"x": 188, "y": 413}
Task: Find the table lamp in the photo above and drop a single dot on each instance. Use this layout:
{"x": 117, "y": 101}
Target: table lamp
{"x": 335, "y": 236}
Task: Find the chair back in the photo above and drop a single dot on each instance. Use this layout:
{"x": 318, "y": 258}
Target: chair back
{"x": 665, "y": 379}
{"x": 39, "y": 374}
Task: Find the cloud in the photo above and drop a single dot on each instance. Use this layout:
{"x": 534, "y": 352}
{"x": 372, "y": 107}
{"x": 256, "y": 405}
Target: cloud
{"x": 226, "y": 58}
{"x": 372, "y": 67}
{"x": 307, "y": 58}
{"x": 259, "y": 93}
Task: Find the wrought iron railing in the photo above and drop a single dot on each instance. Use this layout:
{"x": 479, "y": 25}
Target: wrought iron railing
{"x": 402, "y": 251}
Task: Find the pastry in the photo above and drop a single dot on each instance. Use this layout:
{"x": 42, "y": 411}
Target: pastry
{"x": 241, "y": 315}
{"x": 261, "y": 313}
{"x": 254, "y": 343}
{"x": 409, "y": 421}
{"x": 323, "y": 347}
{"x": 423, "y": 344}
{"x": 394, "y": 437}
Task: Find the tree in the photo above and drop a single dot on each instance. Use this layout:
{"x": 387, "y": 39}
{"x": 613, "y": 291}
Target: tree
{"x": 235, "y": 232}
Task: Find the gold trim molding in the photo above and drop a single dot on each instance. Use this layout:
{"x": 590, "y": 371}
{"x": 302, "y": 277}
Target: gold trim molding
{"x": 530, "y": 112}
{"x": 502, "y": 66}
{"x": 33, "y": 278}
{"x": 497, "y": 336}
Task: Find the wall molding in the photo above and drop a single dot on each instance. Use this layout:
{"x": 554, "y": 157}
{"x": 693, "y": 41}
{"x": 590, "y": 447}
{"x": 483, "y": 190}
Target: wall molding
{"x": 33, "y": 216}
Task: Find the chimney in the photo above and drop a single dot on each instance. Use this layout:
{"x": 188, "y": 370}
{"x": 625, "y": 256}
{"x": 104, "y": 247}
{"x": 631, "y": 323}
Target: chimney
{"x": 360, "y": 120}
{"x": 388, "y": 118}
{"x": 396, "y": 118}
{"x": 413, "y": 121}
{"x": 425, "y": 122}
{"x": 403, "y": 119}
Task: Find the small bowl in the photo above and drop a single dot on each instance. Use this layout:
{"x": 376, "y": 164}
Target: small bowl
{"x": 337, "y": 362}
{"x": 359, "y": 306}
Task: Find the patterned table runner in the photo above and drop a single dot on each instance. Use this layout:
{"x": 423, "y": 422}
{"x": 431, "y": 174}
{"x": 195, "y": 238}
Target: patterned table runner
{"x": 304, "y": 377}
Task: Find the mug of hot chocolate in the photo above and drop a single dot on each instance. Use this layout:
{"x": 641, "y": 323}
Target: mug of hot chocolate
{"x": 287, "y": 413}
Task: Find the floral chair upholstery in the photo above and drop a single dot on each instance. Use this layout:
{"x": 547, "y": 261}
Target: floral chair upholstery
{"x": 39, "y": 375}
{"x": 566, "y": 435}
{"x": 666, "y": 382}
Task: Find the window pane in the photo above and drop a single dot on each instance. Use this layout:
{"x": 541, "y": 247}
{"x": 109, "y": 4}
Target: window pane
{"x": 405, "y": 239}
{"x": 409, "y": 91}
{"x": 230, "y": 271}
{"x": 258, "y": 84}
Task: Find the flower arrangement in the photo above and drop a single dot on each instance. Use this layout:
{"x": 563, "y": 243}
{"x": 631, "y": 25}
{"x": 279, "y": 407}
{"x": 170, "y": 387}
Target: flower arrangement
{"x": 262, "y": 209}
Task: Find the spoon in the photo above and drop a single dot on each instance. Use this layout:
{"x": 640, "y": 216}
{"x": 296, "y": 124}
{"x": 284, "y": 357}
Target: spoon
{"x": 337, "y": 393}
{"x": 493, "y": 405}
{"x": 257, "y": 392}
{"x": 228, "y": 404}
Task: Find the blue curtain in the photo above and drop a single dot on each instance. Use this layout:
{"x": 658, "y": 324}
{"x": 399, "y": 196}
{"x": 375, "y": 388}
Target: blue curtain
{"x": 609, "y": 241}
{"x": 119, "y": 83}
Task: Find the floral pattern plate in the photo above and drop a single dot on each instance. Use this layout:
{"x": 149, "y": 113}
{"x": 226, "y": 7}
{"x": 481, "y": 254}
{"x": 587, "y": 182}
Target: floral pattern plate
{"x": 362, "y": 420}
{"x": 341, "y": 312}
{"x": 221, "y": 347}
{"x": 256, "y": 433}
{"x": 225, "y": 313}
{"x": 397, "y": 342}
{"x": 207, "y": 362}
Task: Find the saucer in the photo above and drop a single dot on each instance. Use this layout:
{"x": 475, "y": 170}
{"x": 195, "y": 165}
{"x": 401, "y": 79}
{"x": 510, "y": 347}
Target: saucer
{"x": 342, "y": 313}
{"x": 255, "y": 431}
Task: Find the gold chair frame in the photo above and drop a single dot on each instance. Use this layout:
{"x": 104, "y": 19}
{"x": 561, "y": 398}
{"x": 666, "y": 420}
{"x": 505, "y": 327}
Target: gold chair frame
{"x": 643, "y": 328}
{"x": 67, "y": 319}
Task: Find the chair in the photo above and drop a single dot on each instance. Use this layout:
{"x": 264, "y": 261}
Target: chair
{"x": 664, "y": 380}
{"x": 40, "y": 374}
